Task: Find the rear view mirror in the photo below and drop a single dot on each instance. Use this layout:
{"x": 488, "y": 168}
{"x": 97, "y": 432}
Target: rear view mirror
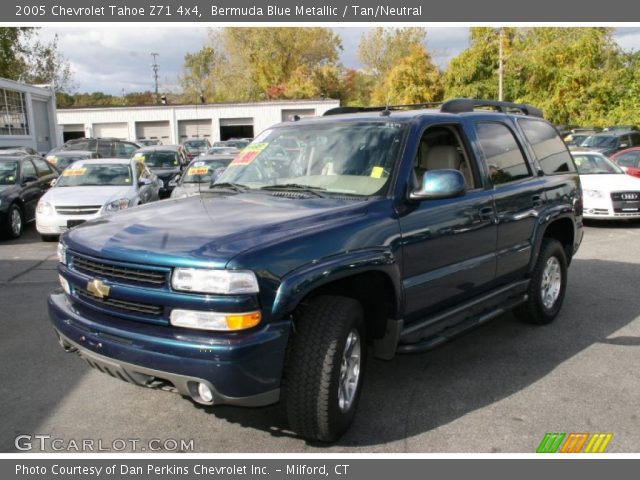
{"x": 437, "y": 184}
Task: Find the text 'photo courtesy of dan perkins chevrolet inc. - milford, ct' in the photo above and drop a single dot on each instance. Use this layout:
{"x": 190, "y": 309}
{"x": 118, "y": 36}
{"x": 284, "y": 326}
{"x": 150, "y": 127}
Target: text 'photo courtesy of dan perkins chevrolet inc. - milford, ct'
{"x": 256, "y": 11}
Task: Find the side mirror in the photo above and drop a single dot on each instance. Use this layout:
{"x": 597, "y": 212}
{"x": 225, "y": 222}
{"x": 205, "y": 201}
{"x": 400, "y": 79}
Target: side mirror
{"x": 174, "y": 181}
{"x": 624, "y": 145}
{"x": 53, "y": 182}
{"x": 438, "y": 184}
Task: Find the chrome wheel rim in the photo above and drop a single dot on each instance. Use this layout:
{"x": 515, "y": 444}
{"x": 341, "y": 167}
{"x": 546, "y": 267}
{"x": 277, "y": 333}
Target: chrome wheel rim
{"x": 551, "y": 282}
{"x": 349, "y": 371}
{"x": 16, "y": 222}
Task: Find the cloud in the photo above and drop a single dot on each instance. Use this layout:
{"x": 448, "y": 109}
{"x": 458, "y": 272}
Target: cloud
{"x": 112, "y": 59}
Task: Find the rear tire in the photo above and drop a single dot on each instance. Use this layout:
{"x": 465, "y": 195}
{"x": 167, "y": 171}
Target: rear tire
{"x": 325, "y": 367}
{"x": 548, "y": 284}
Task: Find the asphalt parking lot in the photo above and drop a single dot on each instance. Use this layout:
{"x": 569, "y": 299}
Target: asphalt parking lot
{"x": 499, "y": 388}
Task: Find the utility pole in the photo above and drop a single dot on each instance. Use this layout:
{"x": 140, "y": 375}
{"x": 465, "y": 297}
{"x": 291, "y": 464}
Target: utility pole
{"x": 155, "y": 67}
{"x": 500, "y": 63}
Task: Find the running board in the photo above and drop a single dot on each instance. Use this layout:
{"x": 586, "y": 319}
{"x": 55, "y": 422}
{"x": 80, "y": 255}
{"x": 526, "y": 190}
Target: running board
{"x": 433, "y": 331}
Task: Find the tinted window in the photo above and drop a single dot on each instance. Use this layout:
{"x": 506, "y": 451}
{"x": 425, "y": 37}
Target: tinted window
{"x": 631, "y": 159}
{"x": 28, "y": 170}
{"x": 125, "y": 150}
{"x": 42, "y": 167}
{"x": 104, "y": 148}
{"x": 502, "y": 153}
{"x": 8, "y": 173}
{"x": 550, "y": 151}
{"x": 635, "y": 139}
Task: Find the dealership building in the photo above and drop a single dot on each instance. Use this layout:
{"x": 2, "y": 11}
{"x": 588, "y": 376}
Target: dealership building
{"x": 27, "y": 116}
{"x": 172, "y": 124}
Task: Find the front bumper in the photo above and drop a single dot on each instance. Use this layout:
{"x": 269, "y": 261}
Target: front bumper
{"x": 240, "y": 369}
{"x": 56, "y": 224}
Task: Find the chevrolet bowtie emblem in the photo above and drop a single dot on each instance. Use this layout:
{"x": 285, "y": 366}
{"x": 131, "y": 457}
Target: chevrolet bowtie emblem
{"x": 98, "y": 288}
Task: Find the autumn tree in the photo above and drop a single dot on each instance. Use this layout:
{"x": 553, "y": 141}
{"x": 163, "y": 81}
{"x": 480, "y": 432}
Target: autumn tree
{"x": 382, "y": 48}
{"x": 413, "y": 79}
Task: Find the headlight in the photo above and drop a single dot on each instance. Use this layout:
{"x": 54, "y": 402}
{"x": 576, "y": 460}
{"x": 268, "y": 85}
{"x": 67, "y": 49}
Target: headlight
{"x": 214, "y": 320}
{"x": 62, "y": 253}
{"x": 44, "y": 208}
{"x": 117, "y": 205}
{"x": 593, "y": 193}
{"x": 214, "y": 281}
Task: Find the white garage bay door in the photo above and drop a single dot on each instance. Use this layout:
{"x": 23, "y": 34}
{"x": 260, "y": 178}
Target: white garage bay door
{"x": 194, "y": 129}
{"x": 114, "y": 130}
{"x": 153, "y": 131}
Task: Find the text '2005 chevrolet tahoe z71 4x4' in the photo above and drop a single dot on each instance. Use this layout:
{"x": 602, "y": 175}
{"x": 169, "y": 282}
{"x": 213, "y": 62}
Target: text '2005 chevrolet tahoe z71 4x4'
{"x": 368, "y": 228}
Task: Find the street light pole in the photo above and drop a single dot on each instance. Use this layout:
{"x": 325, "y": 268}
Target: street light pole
{"x": 500, "y": 64}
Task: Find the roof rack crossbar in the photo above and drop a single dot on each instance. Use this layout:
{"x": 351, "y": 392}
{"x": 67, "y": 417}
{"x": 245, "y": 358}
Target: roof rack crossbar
{"x": 461, "y": 105}
{"x": 380, "y": 108}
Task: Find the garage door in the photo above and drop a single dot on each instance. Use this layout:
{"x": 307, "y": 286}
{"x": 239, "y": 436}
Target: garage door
{"x": 236, "y": 128}
{"x": 72, "y": 131}
{"x": 153, "y": 131}
{"x": 287, "y": 115}
{"x": 194, "y": 129}
{"x": 114, "y": 130}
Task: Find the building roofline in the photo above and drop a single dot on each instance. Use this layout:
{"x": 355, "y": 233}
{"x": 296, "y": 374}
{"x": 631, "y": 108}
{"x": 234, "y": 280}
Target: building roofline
{"x": 203, "y": 105}
{"x": 25, "y": 87}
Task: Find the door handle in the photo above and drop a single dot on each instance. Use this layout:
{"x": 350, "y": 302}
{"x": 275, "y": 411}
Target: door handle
{"x": 487, "y": 214}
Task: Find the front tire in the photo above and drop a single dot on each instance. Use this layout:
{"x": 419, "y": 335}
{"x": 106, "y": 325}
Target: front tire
{"x": 548, "y": 285}
{"x": 325, "y": 367}
{"x": 15, "y": 222}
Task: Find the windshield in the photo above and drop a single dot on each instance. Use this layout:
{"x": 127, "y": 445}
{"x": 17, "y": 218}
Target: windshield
{"x": 195, "y": 144}
{"x": 8, "y": 173}
{"x": 599, "y": 141}
{"x": 201, "y": 171}
{"x": 595, "y": 164}
{"x": 345, "y": 158}
{"x": 158, "y": 159}
{"x": 96, "y": 174}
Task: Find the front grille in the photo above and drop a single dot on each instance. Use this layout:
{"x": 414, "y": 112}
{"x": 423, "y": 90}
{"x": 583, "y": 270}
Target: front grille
{"x": 123, "y": 305}
{"x": 626, "y": 202}
{"x": 118, "y": 272}
{"x": 81, "y": 210}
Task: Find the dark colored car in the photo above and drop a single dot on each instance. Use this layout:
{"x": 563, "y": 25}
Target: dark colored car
{"x": 106, "y": 147}
{"x": 63, "y": 158}
{"x": 609, "y": 143}
{"x": 165, "y": 161}
{"x": 628, "y": 160}
{"x": 17, "y": 148}
{"x": 148, "y": 142}
{"x": 393, "y": 230}
{"x": 196, "y": 146}
{"x": 23, "y": 180}
{"x": 233, "y": 142}
{"x": 201, "y": 172}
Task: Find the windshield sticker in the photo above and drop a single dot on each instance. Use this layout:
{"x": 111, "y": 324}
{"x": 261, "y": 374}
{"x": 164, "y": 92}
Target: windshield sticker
{"x": 127, "y": 180}
{"x": 198, "y": 171}
{"x": 198, "y": 164}
{"x": 376, "y": 172}
{"x": 248, "y": 154}
{"x": 74, "y": 172}
{"x": 139, "y": 157}
{"x": 11, "y": 178}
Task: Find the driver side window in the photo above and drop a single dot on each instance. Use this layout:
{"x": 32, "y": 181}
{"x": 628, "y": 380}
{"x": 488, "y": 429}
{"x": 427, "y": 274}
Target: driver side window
{"x": 441, "y": 147}
{"x": 28, "y": 170}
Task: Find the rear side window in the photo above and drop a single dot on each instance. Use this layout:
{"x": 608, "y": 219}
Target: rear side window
{"x": 548, "y": 148}
{"x": 28, "y": 170}
{"x": 502, "y": 153}
{"x": 104, "y": 148}
{"x": 42, "y": 167}
{"x": 635, "y": 139}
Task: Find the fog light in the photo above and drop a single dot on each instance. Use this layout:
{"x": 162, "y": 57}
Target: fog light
{"x": 205, "y": 393}
{"x": 65, "y": 285}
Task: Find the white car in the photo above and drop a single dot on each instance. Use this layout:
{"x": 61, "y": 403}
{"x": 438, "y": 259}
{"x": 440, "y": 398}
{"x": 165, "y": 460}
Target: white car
{"x": 608, "y": 192}
{"x": 88, "y": 189}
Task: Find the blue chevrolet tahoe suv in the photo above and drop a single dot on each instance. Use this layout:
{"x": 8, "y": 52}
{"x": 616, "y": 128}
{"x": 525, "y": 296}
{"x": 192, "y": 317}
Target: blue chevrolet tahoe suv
{"x": 385, "y": 230}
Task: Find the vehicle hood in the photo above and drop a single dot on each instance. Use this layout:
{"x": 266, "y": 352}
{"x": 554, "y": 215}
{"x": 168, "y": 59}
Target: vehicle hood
{"x": 165, "y": 173}
{"x": 206, "y": 230}
{"x": 74, "y": 196}
{"x": 610, "y": 182}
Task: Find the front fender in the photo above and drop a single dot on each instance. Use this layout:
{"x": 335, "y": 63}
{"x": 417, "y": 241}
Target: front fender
{"x": 297, "y": 284}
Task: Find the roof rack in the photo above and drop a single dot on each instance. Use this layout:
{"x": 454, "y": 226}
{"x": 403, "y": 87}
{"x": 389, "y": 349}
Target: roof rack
{"x": 460, "y": 105}
{"x": 381, "y": 108}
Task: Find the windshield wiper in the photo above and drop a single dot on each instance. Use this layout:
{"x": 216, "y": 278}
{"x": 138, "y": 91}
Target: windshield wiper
{"x": 295, "y": 187}
{"x": 236, "y": 187}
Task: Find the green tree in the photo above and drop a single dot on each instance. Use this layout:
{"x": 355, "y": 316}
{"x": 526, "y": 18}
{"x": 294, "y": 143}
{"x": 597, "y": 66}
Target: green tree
{"x": 414, "y": 79}
{"x": 381, "y": 48}
{"x": 13, "y": 51}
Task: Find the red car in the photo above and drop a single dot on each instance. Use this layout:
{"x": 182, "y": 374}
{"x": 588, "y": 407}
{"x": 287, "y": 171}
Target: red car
{"x": 628, "y": 160}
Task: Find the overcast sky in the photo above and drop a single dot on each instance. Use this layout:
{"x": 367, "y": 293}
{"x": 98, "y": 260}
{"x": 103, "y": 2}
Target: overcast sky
{"x": 116, "y": 59}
